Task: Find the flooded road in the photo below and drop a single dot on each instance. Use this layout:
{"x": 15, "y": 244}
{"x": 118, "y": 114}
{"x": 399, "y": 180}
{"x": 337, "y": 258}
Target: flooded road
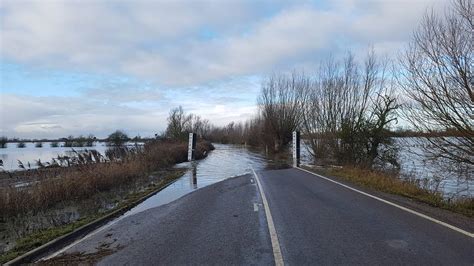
{"x": 224, "y": 162}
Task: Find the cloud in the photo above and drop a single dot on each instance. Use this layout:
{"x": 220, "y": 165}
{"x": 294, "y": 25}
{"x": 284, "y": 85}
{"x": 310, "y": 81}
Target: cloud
{"x": 138, "y": 59}
{"x": 162, "y": 41}
{"x": 136, "y": 110}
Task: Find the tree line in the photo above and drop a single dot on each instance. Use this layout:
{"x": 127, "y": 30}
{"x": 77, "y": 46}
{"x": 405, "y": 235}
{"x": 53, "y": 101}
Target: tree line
{"x": 346, "y": 110}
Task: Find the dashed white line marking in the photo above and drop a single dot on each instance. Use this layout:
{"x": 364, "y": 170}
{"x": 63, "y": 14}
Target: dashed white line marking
{"x": 452, "y": 227}
{"x": 277, "y": 256}
{"x": 255, "y": 207}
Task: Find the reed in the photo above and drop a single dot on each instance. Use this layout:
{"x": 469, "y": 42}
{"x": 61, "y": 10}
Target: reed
{"x": 90, "y": 173}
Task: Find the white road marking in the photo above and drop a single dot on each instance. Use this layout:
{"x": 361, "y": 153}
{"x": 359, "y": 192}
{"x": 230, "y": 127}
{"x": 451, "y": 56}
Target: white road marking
{"x": 255, "y": 207}
{"x": 98, "y": 230}
{"x": 271, "y": 226}
{"x": 452, "y": 227}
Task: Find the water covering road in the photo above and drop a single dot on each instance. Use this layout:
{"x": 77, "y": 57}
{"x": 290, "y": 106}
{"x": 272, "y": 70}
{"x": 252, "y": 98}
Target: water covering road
{"x": 224, "y": 162}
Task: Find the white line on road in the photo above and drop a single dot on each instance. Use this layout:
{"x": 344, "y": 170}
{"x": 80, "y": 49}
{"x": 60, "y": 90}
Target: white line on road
{"x": 452, "y": 227}
{"x": 255, "y": 207}
{"x": 64, "y": 249}
{"x": 271, "y": 227}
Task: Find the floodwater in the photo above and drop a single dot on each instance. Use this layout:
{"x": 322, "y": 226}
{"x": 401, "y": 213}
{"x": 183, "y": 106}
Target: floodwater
{"x": 224, "y": 162}
{"x": 30, "y": 154}
{"x": 436, "y": 175}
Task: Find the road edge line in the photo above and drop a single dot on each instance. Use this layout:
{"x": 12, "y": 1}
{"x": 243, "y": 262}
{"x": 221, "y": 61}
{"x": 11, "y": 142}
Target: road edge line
{"x": 277, "y": 256}
{"x": 452, "y": 227}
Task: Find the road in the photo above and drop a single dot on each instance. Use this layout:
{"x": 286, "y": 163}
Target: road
{"x": 316, "y": 222}
{"x": 320, "y": 222}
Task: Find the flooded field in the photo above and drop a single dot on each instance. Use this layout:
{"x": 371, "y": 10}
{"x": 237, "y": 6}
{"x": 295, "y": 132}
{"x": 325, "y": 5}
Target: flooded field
{"x": 31, "y": 154}
{"x": 234, "y": 160}
{"x": 434, "y": 174}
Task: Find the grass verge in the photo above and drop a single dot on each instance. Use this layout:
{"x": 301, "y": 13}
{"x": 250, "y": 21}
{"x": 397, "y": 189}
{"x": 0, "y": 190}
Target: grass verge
{"x": 390, "y": 183}
{"x": 42, "y": 237}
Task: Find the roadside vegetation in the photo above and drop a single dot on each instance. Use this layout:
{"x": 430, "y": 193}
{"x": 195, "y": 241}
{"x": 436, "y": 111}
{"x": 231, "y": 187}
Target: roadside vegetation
{"x": 28, "y": 241}
{"x": 412, "y": 188}
{"x": 3, "y": 142}
{"x": 88, "y": 174}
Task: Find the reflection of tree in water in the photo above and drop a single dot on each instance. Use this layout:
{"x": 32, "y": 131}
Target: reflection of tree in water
{"x": 434, "y": 173}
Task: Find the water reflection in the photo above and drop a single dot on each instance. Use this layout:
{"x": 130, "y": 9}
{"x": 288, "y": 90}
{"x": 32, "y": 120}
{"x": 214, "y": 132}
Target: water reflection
{"x": 194, "y": 175}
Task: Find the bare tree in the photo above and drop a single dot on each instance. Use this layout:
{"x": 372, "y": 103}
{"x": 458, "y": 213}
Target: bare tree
{"x": 349, "y": 110}
{"x": 280, "y": 102}
{"x": 438, "y": 79}
{"x": 179, "y": 124}
{"x": 199, "y": 126}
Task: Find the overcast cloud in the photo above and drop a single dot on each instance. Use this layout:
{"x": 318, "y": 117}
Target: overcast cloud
{"x": 78, "y": 67}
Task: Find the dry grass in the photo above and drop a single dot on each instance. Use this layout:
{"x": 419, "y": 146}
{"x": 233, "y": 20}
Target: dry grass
{"x": 390, "y": 183}
{"x": 83, "y": 181}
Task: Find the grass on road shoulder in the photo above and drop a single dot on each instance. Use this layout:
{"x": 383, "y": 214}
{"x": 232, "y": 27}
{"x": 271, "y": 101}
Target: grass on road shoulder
{"x": 389, "y": 183}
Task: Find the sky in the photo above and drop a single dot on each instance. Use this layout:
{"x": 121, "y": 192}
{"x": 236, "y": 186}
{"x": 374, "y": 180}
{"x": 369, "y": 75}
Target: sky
{"x": 79, "y": 67}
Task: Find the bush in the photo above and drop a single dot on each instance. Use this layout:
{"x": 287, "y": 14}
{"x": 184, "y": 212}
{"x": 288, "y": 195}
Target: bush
{"x": 118, "y": 138}
{"x": 3, "y": 142}
{"x": 21, "y": 144}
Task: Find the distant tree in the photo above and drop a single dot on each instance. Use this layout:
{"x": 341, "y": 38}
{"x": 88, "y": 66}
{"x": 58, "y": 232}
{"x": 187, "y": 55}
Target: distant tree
{"x": 179, "y": 124}
{"x": 54, "y": 144}
{"x": 90, "y": 139}
{"x": 38, "y": 144}
{"x": 117, "y": 138}
{"x": 3, "y": 142}
{"x": 280, "y": 102}
{"x": 21, "y": 144}
{"x": 69, "y": 141}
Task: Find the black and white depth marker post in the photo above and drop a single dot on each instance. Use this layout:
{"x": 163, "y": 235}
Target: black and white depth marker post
{"x": 191, "y": 146}
{"x": 296, "y": 148}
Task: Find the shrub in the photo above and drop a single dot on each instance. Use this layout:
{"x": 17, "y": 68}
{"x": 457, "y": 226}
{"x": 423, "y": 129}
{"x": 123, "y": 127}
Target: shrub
{"x": 3, "y": 142}
{"x": 118, "y": 138}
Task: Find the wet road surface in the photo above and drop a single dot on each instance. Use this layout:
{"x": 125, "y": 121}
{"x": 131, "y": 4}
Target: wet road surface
{"x": 218, "y": 224}
{"x": 319, "y": 222}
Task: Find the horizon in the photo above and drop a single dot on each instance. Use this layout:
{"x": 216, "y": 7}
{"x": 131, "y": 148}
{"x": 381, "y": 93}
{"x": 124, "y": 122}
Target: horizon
{"x": 78, "y": 68}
